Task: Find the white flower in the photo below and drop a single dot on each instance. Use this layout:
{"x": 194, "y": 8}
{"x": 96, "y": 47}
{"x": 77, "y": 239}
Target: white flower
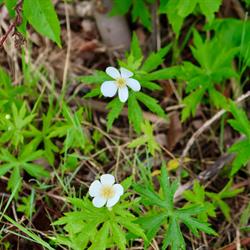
{"x": 121, "y": 81}
{"x": 105, "y": 191}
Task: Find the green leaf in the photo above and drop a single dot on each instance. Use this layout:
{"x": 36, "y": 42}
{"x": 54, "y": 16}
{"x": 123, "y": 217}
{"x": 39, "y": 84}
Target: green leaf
{"x": 209, "y": 7}
{"x": 42, "y": 16}
{"x": 115, "y": 107}
{"x": 135, "y": 48}
{"x": 173, "y": 236}
{"x": 101, "y": 238}
{"x": 241, "y": 122}
{"x": 155, "y": 59}
{"x": 118, "y": 235}
{"x": 191, "y": 102}
{"x": 97, "y": 78}
{"x": 150, "y": 196}
{"x": 120, "y": 7}
{"x": 164, "y": 74}
{"x": 141, "y": 11}
{"x": 151, "y": 224}
{"x": 242, "y": 155}
{"x": 150, "y": 103}
{"x": 134, "y": 113}
{"x": 10, "y": 5}
{"x": 218, "y": 99}
{"x": 131, "y": 227}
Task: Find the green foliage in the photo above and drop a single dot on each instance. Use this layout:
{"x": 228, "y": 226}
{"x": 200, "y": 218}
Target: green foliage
{"x": 226, "y": 192}
{"x": 9, "y": 94}
{"x": 27, "y": 206}
{"x": 167, "y": 215}
{"x": 241, "y": 124}
{"x": 146, "y": 73}
{"x": 42, "y": 16}
{"x": 45, "y": 134}
{"x": 147, "y": 139}
{"x": 178, "y": 10}
{"x": 198, "y": 197}
{"x": 23, "y": 161}
{"x": 14, "y": 124}
{"x": 115, "y": 107}
{"x": 140, "y": 10}
{"x": 236, "y": 33}
{"x": 215, "y": 66}
{"x": 100, "y": 227}
{"x": 72, "y": 129}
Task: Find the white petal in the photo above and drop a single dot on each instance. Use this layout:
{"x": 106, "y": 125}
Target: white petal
{"x": 111, "y": 202}
{"x": 109, "y": 88}
{"x": 113, "y": 72}
{"x": 123, "y": 94}
{"x": 125, "y": 73}
{"x": 107, "y": 179}
{"x": 133, "y": 84}
{"x": 99, "y": 201}
{"x": 118, "y": 189}
{"x": 94, "y": 188}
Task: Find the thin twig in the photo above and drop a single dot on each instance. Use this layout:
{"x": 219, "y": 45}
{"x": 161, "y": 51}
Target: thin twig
{"x": 67, "y": 60}
{"x": 17, "y": 21}
{"x": 206, "y": 125}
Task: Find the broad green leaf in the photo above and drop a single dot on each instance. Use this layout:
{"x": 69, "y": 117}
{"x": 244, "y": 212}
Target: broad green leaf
{"x": 42, "y": 16}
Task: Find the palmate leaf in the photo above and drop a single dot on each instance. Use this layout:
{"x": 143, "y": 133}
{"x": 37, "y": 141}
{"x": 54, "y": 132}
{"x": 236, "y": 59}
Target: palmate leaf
{"x": 98, "y": 227}
{"x": 168, "y": 214}
{"x": 24, "y": 161}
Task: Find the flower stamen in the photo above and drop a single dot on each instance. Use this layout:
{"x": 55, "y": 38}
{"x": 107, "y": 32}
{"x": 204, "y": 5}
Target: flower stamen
{"x": 107, "y": 192}
{"x": 121, "y": 82}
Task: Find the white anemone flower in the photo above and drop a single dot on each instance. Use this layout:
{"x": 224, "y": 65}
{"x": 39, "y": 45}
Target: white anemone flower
{"x": 105, "y": 191}
{"x": 121, "y": 82}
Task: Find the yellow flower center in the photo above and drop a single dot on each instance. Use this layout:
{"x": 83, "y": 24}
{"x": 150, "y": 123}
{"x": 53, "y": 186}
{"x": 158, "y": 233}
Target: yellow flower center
{"x": 107, "y": 192}
{"x": 121, "y": 82}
